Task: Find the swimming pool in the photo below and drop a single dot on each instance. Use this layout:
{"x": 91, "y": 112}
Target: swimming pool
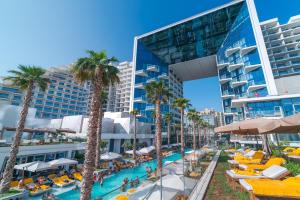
{"x": 115, "y": 181}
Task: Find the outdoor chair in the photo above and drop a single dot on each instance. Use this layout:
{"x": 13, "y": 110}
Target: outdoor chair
{"x": 249, "y": 158}
{"x": 288, "y": 188}
{"x": 273, "y": 172}
{"x": 269, "y": 163}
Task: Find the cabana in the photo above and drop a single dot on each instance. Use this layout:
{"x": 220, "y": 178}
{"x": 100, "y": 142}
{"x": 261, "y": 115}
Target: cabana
{"x": 36, "y": 166}
{"x": 172, "y": 187}
{"x": 147, "y": 150}
{"x": 62, "y": 162}
{"x": 110, "y": 156}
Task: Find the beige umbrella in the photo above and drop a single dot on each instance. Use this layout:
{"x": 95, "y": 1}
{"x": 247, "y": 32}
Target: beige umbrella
{"x": 289, "y": 124}
{"x": 246, "y": 127}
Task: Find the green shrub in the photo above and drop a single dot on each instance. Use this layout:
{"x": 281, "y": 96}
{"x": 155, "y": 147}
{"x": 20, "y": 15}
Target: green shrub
{"x": 277, "y": 152}
{"x": 293, "y": 167}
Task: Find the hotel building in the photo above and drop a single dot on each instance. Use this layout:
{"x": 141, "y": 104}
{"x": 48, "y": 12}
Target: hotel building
{"x": 257, "y": 63}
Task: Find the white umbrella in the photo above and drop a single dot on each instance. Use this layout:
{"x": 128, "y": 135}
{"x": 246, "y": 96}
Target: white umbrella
{"x": 62, "y": 161}
{"x": 131, "y": 152}
{"x": 110, "y": 156}
{"x": 147, "y": 150}
{"x": 36, "y": 166}
{"x": 172, "y": 184}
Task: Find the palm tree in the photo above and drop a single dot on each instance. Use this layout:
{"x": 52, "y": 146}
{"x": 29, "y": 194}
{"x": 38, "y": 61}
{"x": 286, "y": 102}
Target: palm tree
{"x": 157, "y": 93}
{"x": 182, "y": 104}
{"x": 93, "y": 68}
{"x": 168, "y": 119}
{"x": 110, "y": 77}
{"x": 199, "y": 125}
{"x": 193, "y": 116}
{"x": 176, "y": 127}
{"x": 134, "y": 113}
{"x": 103, "y": 100}
{"x": 26, "y": 77}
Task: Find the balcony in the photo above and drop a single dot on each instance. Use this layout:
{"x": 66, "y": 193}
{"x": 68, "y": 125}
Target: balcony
{"x": 252, "y": 88}
{"x": 231, "y": 51}
{"x": 163, "y": 76}
{"x": 152, "y": 68}
{"x": 141, "y": 72}
{"x": 247, "y": 50}
{"x": 222, "y": 65}
{"x": 227, "y": 95}
{"x": 238, "y": 81}
{"x": 150, "y": 107}
{"x": 233, "y": 67}
{"x": 250, "y": 68}
{"x": 141, "y": 99}
{"x": 140, "y": 86}
{"x": 224, "y": 78}
{"x": 151, "y": 80}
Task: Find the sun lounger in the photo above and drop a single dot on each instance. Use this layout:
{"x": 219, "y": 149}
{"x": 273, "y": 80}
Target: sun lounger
{"x": 252, "y": 157}
{"x": 77, "y": 176}
{"x": 273, "y": 172}
{"x": 271, "y": 161}
{"x": 288, "y": 149}
{"x": 287, "y": 188}
{"x": 295, "y": 152}
{"x": 63, "y": 181}
{"x": 38, "y": 190}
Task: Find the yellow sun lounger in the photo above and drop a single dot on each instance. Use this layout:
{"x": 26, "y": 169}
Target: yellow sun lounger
{"x": 77, "y": 176}
{"x": 271, "y": 161}
{"x": 288, "y": 149}
{"x": 288, "y": 188}
{"x": 295, "y": 152}
{"x": 273, "y": 172}
{"x": 255, "y": 159}
{"x": 63, "y": 181}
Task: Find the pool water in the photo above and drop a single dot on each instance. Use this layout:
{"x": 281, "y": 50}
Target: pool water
{"x": 114, "y": 181}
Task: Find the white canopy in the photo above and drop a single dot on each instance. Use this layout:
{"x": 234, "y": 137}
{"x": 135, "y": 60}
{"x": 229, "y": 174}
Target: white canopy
{"x": 147, "y": 150}
{"x": 131, "y": 152}
{"x": 172, "y": 185}
{"x": 110, "y": 156}
{"x": 62, "y": 161}
{"x": 36, "y": 166}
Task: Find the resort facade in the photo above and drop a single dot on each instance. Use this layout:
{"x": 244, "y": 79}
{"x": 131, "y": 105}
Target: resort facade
{"x": 257, "y": 62}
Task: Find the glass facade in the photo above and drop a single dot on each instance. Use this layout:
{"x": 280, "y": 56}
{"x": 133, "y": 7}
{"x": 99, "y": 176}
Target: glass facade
{"x": 239, "y": 66}
{"x": 192, "y": 39}
{"x": 277, "y": 108}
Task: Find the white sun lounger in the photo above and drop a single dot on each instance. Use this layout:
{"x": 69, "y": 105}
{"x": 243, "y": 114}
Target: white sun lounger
{"x": 273, "y": 172}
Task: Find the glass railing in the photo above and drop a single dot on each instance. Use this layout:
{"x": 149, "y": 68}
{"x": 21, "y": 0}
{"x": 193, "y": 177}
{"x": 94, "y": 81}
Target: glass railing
{"x": 225, "y": 76}
{"x": 239, "y": 78}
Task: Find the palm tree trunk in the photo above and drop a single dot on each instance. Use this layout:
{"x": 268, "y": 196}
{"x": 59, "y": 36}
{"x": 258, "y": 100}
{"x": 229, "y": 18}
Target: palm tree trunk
{"x": 181, "y": 132}
{"x": 99, "y": 131}
{"x": 158, "y": 136}
{"x": 89, "y": 161}
{"x": 9, "y": 168}
{"x": 199, "y": 136}
{"x": 194, "y": 137}
{"x": 169, "y": 133}
{"x": 134, "y": 140}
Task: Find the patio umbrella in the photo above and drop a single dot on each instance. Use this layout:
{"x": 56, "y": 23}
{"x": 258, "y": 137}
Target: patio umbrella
{"x": 36, "y": 166}
{"x": 152, "y": 192}
{"x": 110, "y": 156}
{"x": 246, "y": 127}
{"x": 290, "y": 124}
{"x": 62, "y": 161}
{"x": 147, "y": 150}
{"x": 131, "y": 152}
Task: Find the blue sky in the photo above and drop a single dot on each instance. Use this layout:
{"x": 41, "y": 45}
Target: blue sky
{"x": 57, "y": 32}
